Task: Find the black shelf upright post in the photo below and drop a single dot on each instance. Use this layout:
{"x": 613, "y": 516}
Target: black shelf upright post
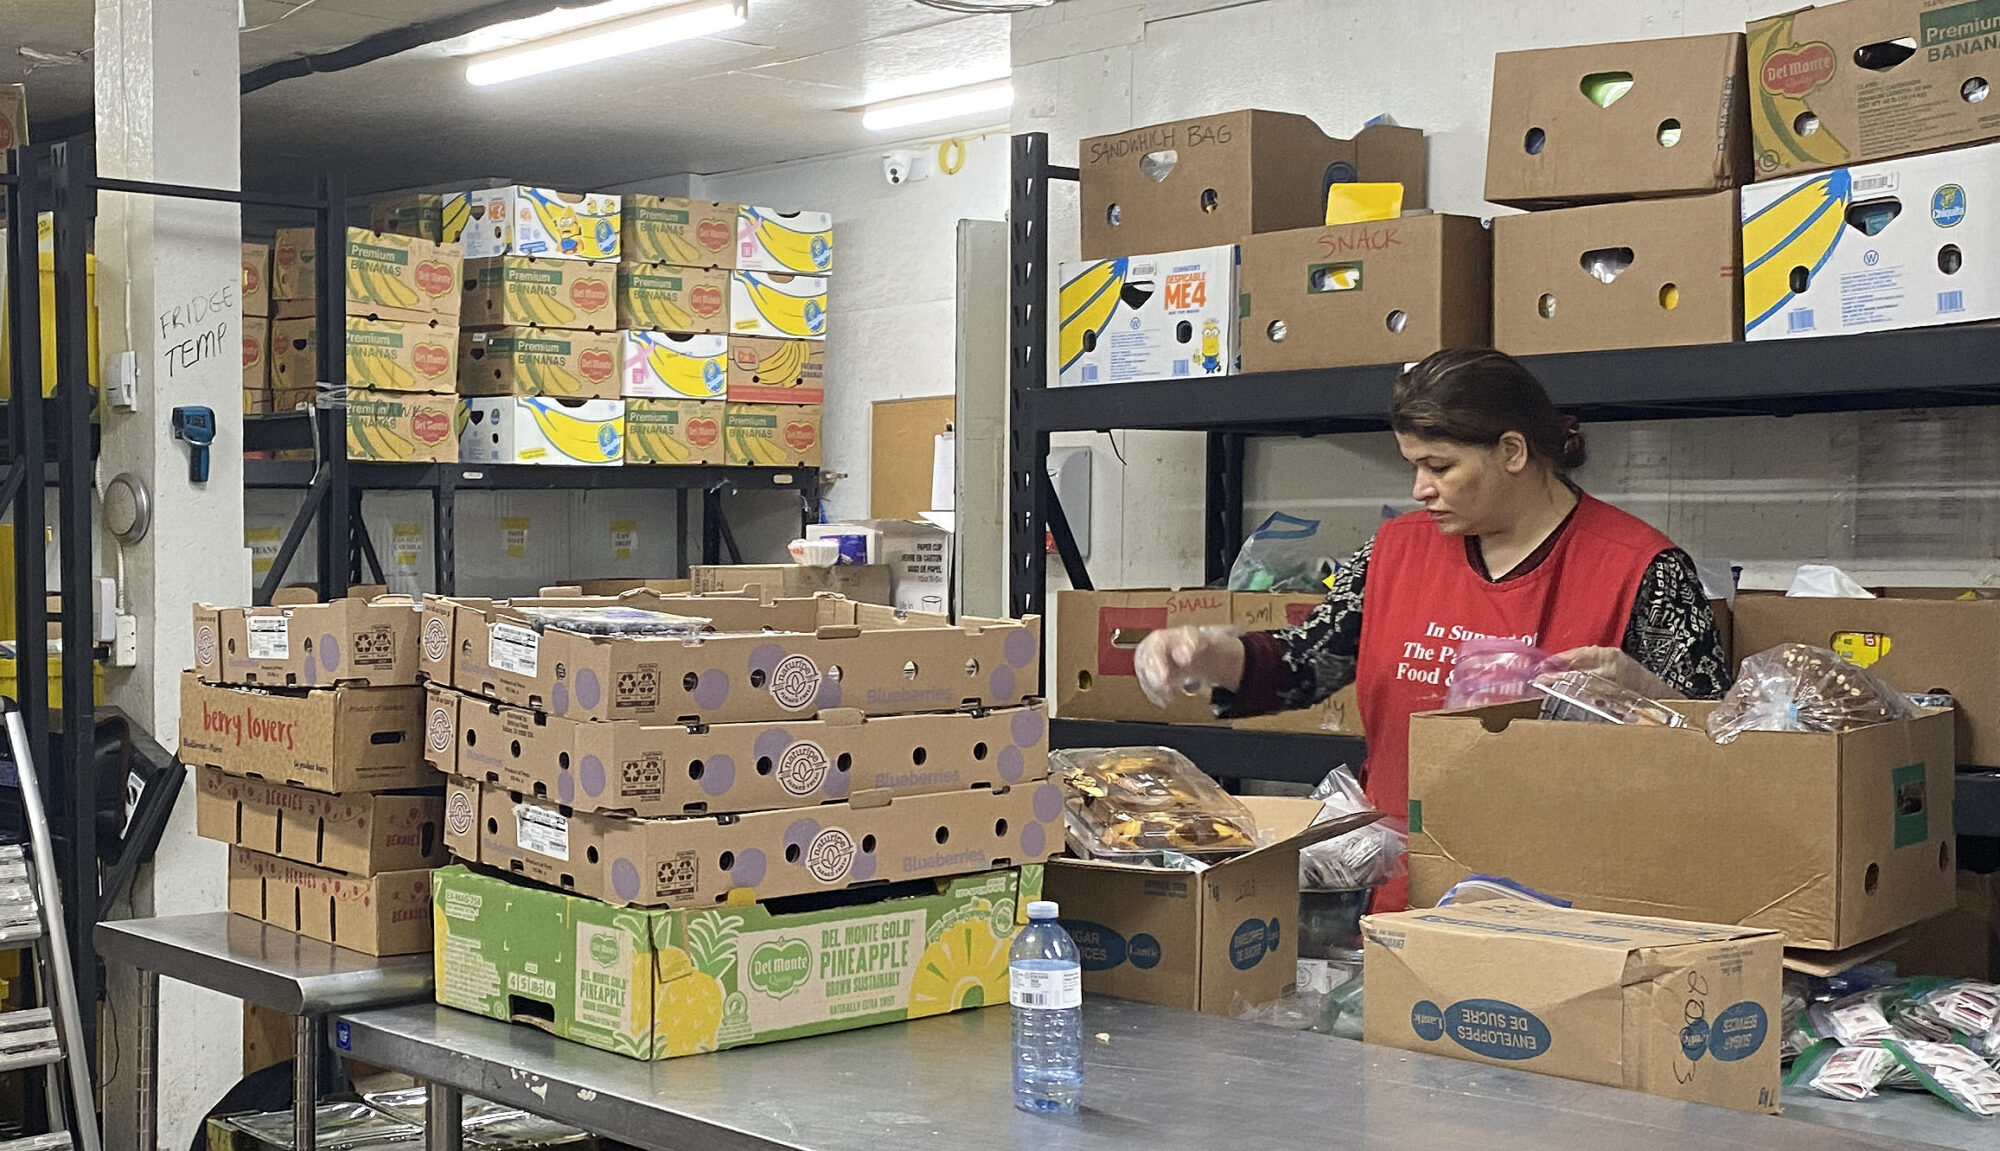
{"x": 339, "y": 551}
{"x": 28, "y": 476}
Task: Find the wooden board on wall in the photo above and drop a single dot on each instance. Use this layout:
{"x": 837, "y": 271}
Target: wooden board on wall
{"x": 899, "y": 455}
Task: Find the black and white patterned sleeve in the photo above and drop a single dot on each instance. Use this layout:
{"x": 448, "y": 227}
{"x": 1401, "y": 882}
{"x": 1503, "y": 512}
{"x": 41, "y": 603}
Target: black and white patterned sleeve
{"x": 1295, "y": 667}
{"x": 1673, "y": 631}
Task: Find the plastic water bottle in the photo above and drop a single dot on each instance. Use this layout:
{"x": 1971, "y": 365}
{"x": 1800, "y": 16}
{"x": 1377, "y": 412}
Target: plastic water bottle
{"x": 1045, "y": 977}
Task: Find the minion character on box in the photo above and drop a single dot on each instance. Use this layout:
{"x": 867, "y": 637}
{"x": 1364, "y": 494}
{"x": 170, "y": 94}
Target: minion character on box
{"x": 1211, "y": 347}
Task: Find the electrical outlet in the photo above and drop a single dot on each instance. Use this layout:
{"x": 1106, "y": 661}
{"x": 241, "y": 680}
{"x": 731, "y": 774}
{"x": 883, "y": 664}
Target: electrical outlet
{"x": 125, "y": 381}
{"x": 125, "y": 649}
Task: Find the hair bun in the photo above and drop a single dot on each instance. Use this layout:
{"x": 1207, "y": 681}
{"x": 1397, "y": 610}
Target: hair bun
{"x": 1573, "y": 451}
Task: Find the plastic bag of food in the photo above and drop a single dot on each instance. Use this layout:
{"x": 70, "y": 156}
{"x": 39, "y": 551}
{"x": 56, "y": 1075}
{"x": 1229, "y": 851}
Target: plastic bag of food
{"x": 1125, "y": 802}
{"x": 1364, "y": 858}
{"x": 1952, "y": 1073}
{"x": 1589, "y": 698}
{"x": 1850, "y": 1073}
{"x": 614, "y": 619}
{"x": 1285, "y": 553}
{"x": 1491, "y": 671}
{"x": 1856, "y": 1021}
{"x": 1798, "y": 687}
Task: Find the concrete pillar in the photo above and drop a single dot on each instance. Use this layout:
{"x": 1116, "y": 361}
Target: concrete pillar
{"x": 166, "y": 110}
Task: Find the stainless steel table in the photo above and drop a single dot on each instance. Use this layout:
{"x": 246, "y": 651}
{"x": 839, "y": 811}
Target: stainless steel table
{"x": 265, "y": 965}
{"x": 1154, "y": 1078}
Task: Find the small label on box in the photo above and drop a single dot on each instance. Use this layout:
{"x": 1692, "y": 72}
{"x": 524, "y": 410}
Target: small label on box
{"x": 542, "y": 832}
{"x": 514, "y": 649}
{"x": 270, "y": 636}
{"x": 1045, "y": 990}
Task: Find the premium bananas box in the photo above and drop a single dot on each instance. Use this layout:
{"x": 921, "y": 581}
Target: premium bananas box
{"x": 360, "y": 833}
{"x": 777, "y": 304}
{"x": 768, "y": 240}
{"x": 701, "y": 861}
{"x": 538, "y": 362}
{"x": 387, "y": 914}
{"x": 522, "y": 221}
{"x": 769, "y": 659}
{"x": 675, "y": 431}
{"x": 670, "y": 298}
{"x": 655, "y": 771}
{"x": 1893, "y": 244}
{"x": 661, "y": 984}
{"x": 395, "y": 277}
{"x": 416, "y": 355}
{"x": 333, "y": 740}
{"x": 256, "y": 279}
{"x": 350, "y": 640}
{"x": 294, "y": 355}
{"x": 256, "y": 354}
{"x": 673, "y": 230}
{"x": 401, "y": 427}
{"x": 1165, "y": 317}
{"x": 662, "y": 364}
{"x": 522, "y": 291}
{"x": 767, "y": 371}
{"x": 441, "y": 219}
{"x": 545, "y": 430}
{"x": 294, "y": 258}
{"x": 772, "y": 435}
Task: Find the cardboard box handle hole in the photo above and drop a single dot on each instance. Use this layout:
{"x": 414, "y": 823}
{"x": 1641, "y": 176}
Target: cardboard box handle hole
{"x": 1885, "y": 54}
{"x": 978, "y": 751}
{"x": 1535, "y": 141}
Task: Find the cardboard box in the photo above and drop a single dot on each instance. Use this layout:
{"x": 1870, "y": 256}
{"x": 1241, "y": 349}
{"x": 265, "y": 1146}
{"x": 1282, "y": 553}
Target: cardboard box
{"x": 294, "y": 265}
{"x": 397, "y": 277}
{"x": 1211, "y": 180}
{"x": 1337, "y": 714}
{"x": 702, "y": 861}
{"x": 919, "y": 555}
{"x": 257, "y": 401}
{"x": 1097, "y": 633}
{"x": 1685, "y": 1010}
{"x": 1196, "y": 941}
{"x": 256, "y": 358}
{"x": 617, "y": 587}
{"x": 256, "y": 279}
{"x": 662, "y": 365}
{"x": 654, "y": 984}
{"x": 669, "y": 298}
{"x": 892, "y": 663}
{"x": 13, "y": 118}
{"x": 401, "y": 427}
{"x": 538, "y": 362}
{"x": 1835, "y": 86}
{"x": 358, "y": 833}
{"x": 338, "y": 740}
{"x": 294, "y": 355}
{"x": 772, "y": 435}
{"x": 1832, "y": 839}
{"x": 768, "y": 240}
{"x": 1163, "y": 317}
{"x": 1386, "y": 292}
{"x": 673, "y": 230}
{"x": 1963, "y": 943}
{"x": 673, "y": 431}
{"x": 1925, "y": 646}
{"x": 671, "y": 770}
{"x": 1673, "y": 268}
{"x": 387, "y": 914}
{"x": 439, "y": 218}
{"x": 868, "y": 583}
{"x": 308, "y": 645}
{"x": 778, "y": 305}
{"x": 1893, "y": 244}
{"x": 522, "y": 291}
{"x": 1663, "y": 117}
{"x": 544, "y": 430}
{"x": 402, "y": 355}
{"x": 764, "y": 371}
{"x": 521, "y": 221}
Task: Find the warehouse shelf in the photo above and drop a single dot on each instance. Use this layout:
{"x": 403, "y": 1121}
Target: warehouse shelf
{"x": 370, "y": 476}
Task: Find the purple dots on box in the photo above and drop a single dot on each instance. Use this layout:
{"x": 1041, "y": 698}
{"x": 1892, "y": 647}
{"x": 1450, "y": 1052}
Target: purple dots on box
{"x": 1011, "y": 765}
{"x": 559, "y": 698}
{"x": 1030, "y": 727}
{"x": 711, "y": 690}
{"x": 828, "y": 695}
{"x": 764, "y": 657}
{"x": 625, "y": 879}
{"x": 592, "y": 770}
{"x": 587, "y": 689}
{"x": 863, "y": 869}
{"x": 1034, "y": 842}
{"x": 329, "y": 653}
{"x": 1000, "y": 685}
{"x": 749, "y": 869}
{"x": 719, "y": 774}
{"x": 1019, "y": 647}
{"x": 1048, "y": 802}
{"x": 836, "y": 785}
{"x": 772, "y": 742}
{"x": 801, "y": 833}
{"x": 566, "y": 787}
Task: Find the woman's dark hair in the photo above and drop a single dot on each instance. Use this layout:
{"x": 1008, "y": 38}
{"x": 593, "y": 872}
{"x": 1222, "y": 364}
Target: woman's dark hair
{"x": 1473, "y": 396}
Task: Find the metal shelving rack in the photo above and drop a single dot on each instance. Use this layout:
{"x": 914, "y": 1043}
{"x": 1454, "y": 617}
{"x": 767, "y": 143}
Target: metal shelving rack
{"x": 1929, "y": 367}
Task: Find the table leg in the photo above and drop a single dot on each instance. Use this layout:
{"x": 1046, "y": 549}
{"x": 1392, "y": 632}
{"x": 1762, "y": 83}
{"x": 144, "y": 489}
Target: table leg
{"x": 444, "y": 1109}
{"x": 145, "y": 1095}
{"x": 305, "y": 1082}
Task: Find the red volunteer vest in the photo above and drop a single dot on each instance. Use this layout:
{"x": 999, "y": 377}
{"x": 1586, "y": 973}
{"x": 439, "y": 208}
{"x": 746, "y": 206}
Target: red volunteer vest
{"x": 1422, "y": 599}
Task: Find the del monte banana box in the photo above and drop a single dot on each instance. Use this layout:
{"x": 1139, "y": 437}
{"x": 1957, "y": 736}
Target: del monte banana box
{"x": 396, "y": 277}
{"x": 671, "y": 298}
{"x": 673, "y": 431}
{"x": 415, "y": 355}
{"x": 538, "y": 362}
{"x": 522, "y": 221}
{"x": 522, "y": 291}
{"x": 542, "y": 430}
{"x": 772, "y": 435}
{"x": 256, "y": 279}
{"x": 767, "y": 371}
{"x": 768, "y": 240}
{"x": 402, "y": 427}
{"x": 438, "y": 218}
{"x": 777, "y": 304}
{"x": 664, "y": 364}
{"x": 660, "y": 984}
{"x": 294, "y": 261}
{"x": 672, "y": 230}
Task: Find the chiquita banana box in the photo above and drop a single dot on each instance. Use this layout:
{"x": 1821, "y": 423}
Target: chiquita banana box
{"x": 401, "y": 355}
{"x": 773, "y": 435}
{"x": 671, "y": 230}
{"x": 1893, "y": 244}
{"x": 538, "y": 362}
{"x": 664, "y": 364}
{"x": 523, "y": 291}
{"x": 403, "y": 427}
{"x": 396, "y": 277}
{"x": 542, "y": 430}
{"x": 768, "y": 240}
{"x": 522, "y": 221}
{"x": 437, "y": 218}
{"x": 671, "y": 298}
{"x": 777, "y": 304}
{"x": 676, "y": 431}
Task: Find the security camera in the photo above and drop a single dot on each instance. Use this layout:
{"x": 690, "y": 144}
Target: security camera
{"x": 897, "y": 167}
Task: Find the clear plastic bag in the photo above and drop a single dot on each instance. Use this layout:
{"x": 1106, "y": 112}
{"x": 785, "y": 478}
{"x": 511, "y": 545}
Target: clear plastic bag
{"x": 1364, "y": 858}
{"x": 1585, "y": 697}
{"x": 1798, "y": 687}
{"x": 1125, "y": 802}
{"x": 1285, "y": 553}
{"x": 614, "y": 620}
{"x": 1179, "y": 661}
{"x": 1490, "y": 671}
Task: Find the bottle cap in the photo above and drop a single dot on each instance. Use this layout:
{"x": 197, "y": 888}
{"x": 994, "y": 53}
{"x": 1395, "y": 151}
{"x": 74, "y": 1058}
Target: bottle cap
{"x": 1043, "y": 909}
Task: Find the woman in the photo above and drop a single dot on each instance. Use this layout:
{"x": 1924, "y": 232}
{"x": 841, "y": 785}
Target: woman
{"x": 1505, "y": 545}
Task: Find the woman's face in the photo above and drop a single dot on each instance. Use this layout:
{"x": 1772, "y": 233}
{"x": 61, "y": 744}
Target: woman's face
{"x": 1468, "y": 491}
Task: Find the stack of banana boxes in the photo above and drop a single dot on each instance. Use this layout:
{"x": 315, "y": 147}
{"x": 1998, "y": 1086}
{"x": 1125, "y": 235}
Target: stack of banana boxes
{"x": 303, "y": 724}
{"x": 693, "y": 823}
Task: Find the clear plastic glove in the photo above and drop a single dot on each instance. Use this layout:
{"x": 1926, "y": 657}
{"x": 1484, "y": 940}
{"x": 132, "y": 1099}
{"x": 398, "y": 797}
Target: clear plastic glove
{"x": 1613, "y": 664}
{"x": 1177, "y": 661}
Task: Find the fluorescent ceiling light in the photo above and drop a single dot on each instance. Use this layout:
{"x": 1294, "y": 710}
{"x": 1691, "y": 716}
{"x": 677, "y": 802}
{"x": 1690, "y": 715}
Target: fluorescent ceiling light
{"x": 605, "y": 40}
{"x": 949, "y": 105}
{"x": 554, "y": 22}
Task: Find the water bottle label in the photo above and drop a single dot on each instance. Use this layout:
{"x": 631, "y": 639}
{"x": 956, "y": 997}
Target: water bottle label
{"x": 1046, "y": 990}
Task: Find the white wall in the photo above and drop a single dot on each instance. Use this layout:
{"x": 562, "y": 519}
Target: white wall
{"x": 1909, "y": 497}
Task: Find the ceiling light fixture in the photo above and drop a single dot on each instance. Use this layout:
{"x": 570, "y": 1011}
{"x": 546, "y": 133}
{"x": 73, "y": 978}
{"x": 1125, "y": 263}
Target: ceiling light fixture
{"x": 606, "y": 40}
{"x": 948, "y": 105}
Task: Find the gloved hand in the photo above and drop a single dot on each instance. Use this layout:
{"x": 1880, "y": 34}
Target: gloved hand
{"x": 1613, "y": 664}
{"x": 1177, "y": 661}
